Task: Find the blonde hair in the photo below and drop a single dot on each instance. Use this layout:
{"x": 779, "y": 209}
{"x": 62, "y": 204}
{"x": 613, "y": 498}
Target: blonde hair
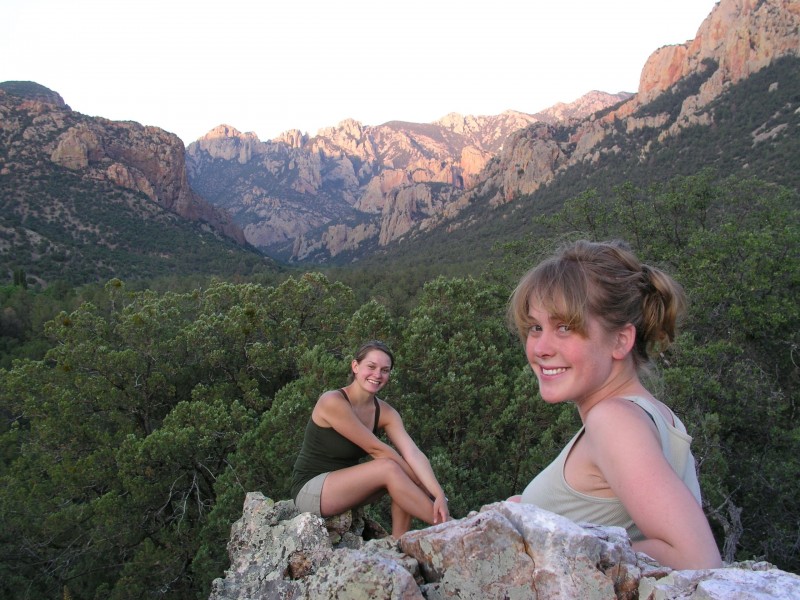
{"x": 607, "y": 281}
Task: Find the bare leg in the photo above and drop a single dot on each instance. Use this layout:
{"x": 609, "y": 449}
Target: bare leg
{"x": 347, "y": 488}
{"x": 401, "y": 520}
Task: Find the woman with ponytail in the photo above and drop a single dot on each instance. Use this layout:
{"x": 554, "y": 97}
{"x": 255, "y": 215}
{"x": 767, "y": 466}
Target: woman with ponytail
{"x": 589, "y": 317}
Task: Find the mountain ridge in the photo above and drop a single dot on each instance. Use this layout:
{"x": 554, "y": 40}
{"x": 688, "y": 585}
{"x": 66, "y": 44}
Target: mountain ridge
{"x": 85, "y": 198}
{"x": 368, "y": 187}
{"x": 350, "y": 183}
{"x": 352, "y": 191}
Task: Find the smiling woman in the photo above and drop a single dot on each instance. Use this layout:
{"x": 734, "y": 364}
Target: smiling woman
{"x": 588, "y": 317}
{"x": 329, "y": 475}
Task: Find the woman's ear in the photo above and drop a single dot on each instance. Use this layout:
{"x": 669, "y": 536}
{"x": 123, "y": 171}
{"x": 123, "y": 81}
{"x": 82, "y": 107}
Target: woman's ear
{"x": 354, "y": 366}
{"x": 624, "y": 341}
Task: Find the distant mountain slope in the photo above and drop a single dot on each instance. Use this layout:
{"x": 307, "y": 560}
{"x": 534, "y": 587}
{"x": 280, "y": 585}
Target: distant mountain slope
{"x": 352, "y": 186}
{"x": 354, "y": 191}
{"x": 755, "y": 132}
{"x": 678, "y": 86}
{"x": 83, "y": 198}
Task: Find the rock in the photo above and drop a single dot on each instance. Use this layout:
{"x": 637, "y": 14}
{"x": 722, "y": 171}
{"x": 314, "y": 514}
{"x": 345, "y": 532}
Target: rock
{"x": 517, "y": 550}
{"x": 751, "y": 581}
{"x": 504, "y": 551}
{"x": 39, "y": 126}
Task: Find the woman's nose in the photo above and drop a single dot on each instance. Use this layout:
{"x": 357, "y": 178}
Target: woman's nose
{"x": 541, "y": 344}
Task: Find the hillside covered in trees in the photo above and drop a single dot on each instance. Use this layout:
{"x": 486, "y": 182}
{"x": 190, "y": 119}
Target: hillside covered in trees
{"x": 141, "y": 417}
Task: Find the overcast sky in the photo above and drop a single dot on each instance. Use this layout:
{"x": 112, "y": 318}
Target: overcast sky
{"x": 271, "y": 65}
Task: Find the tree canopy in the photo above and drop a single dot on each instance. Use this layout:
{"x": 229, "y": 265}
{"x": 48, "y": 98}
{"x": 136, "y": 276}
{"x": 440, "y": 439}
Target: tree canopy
{"x": 131, "y": 435}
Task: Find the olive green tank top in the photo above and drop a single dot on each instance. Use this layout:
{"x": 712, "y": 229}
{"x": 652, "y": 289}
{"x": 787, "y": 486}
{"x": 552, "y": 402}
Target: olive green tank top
{"x": 324, "y": 449}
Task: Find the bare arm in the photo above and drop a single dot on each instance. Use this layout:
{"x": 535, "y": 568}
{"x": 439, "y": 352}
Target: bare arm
{"x": 419, "y": 463}
{"x": 676, "y": 530}
{"x": 332, "y": 410}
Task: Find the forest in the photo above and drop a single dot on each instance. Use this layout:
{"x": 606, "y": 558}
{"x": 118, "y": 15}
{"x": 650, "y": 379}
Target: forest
{"x": 136, "y": 417}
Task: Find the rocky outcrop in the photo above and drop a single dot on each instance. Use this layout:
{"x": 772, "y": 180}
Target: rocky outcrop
{"x": 304, "y": 197}
{"x": 149, "y": 160}
{"x": 145, "y": 159}
{"x": 741, "y": 36}
{"x": 504, "y": 550}
{"x": 33, "y": 91}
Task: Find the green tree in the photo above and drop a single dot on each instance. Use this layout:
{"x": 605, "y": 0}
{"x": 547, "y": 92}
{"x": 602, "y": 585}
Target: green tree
{"x": 454, "y": 365}
{"x": 122, "y": 434}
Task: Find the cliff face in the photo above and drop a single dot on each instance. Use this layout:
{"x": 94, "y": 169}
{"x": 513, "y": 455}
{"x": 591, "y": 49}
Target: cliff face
{"x": 353, "y": 184}
{"x": 737, "y": 39}
{"x": 144, "y": 159}
{"x": 353, "y": 187}
{"x": 742, "y": 36}
{"x": 505, "y": 550}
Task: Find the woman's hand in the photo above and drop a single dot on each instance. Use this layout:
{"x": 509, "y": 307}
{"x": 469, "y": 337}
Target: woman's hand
{"x": 441, "y": 512}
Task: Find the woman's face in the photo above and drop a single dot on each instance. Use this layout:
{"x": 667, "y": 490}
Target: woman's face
{"x": 372, "y": 373}
{"x": 570, "y": 366}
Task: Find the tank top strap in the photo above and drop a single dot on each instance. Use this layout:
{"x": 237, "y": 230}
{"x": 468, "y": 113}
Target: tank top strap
{"x": 377, "y": 410}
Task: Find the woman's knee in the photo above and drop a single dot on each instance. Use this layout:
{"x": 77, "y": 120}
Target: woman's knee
{"x": 390, "y": 470}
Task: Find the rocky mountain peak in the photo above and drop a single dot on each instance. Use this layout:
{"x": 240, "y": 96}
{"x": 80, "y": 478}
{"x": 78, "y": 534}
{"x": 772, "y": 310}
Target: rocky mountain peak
{"x": 228, "y": 143}
{"x": 294, "y": 138}
{"x": 740, "y": 36}
{"x": 737, "y": 39}
{"x": 302, "y": 197}
{"x": 140, "y": 158}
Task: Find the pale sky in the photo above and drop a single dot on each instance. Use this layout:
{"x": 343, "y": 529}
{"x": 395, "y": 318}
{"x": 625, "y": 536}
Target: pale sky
{"x": 271, "y": 65}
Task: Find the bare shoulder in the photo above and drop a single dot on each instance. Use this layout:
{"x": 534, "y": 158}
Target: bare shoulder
{"x": 618, "y": 416}
{"x": 613, "y": 428}
{"x": 328, "y": 405}
{"x": 389, "y": 414}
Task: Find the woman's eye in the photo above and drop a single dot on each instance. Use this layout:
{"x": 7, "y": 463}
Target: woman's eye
{"x": 564, "y": 328}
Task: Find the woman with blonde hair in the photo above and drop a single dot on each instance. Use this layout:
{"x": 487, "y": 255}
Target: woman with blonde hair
{"x": 589, "y": 316}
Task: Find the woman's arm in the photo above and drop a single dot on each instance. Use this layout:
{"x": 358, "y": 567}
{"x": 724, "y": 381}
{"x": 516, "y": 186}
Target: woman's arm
{"x": 419, "y": 463}
{"x": 332, "y": 410}
{"x": 625, "y": 447}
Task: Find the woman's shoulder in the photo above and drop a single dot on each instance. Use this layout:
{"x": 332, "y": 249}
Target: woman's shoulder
{"x": 613, "y": 405}
{"x": 385, "y": 406}
{"x": 615, "y": 413}
{"x": 615, "y": 426}
{"x": 337, "y": 394}
{"x": 388, "y": 413}
{"x": 329, "y": 402}
{"x": 331, "y": 398}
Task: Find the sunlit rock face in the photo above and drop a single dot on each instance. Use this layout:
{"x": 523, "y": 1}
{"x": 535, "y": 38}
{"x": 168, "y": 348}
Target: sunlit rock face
{"x": 737, "y": 39}
{"x": 40, "y": 126}
{"x": 353, "y": 184}
{"x": 356, "y": 186}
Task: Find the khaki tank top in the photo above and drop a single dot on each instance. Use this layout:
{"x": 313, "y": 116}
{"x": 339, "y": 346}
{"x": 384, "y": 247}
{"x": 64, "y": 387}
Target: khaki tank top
{"x": 549, "y": 489}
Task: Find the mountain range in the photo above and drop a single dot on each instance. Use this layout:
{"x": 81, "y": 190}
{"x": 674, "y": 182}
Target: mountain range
{"x": 727, "y": 99}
